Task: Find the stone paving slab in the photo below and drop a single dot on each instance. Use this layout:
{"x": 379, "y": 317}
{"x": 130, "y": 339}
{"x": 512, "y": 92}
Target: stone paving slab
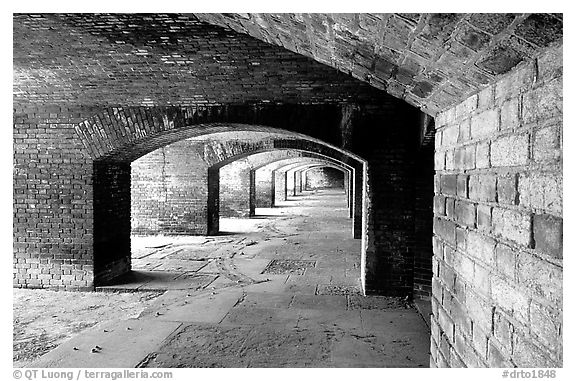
{"x": 265, "y": 300}
{"x": 322, "y": 302}
{"x": 202, "y": 346}
{"x": 184, "y": 281}
{"x": 353, "y": 351}
{"x": 393, "y": 322}
{"x": 207, "y": 308}
{"x": 182, "y": 265}
{"x": 372, "y": 302}
{"x": 335, "y": 320}
{"x": 123, "y": 345}
{"x": 299, "y": 289}
{"x": 276, "y": 284}
{"x": 260, "y": 316}
{"x": 251, "y": 267}
{"x": 294, "y": 348}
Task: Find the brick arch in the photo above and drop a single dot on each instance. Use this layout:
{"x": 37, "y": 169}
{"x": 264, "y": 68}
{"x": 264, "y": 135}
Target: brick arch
{"x": 274, "y": 166}
{"x": 238, "y": 191}
{"x": 345, "y": 173}
{"x": 358, "y": 205}
{"x": 305, "y": 146}
{"x": 117, "y": 136}
{"x": 279, "y": 179}
{"x": 123, "y": 134}
{"x": 290, "y": 172}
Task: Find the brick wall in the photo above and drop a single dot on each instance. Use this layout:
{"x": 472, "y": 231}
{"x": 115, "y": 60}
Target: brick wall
{"x": 53, "y": 209}
{"x": 235, "y": 189}
{"x": 497, "y": 285}
{"x": 390, "y": 151}
{"x": 111, "y": 220}
{"x": 423, "y": 188}
{"x": 169, "y": 190}
{"x": 318, "y": 178}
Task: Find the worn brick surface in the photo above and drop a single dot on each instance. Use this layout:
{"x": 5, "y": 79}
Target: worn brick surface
{"x": 508, "y": 265}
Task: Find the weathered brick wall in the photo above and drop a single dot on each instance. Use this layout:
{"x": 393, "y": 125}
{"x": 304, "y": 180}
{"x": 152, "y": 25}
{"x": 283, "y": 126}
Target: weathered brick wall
{"x": 111, "y": 220}
{"x": 423, "y": 187}
{"x": 235, "y": 189}
{"x": 497, "y": 286}
{"x": 53, "y": 208}
{"x": 279, "y": 180}
{"x": 298, "y": 185}
{"x": 264, "y": 187}
{"x": 169, "y": 190}
{"x": 390, "y": 151}
{"x": 318, "y": 178}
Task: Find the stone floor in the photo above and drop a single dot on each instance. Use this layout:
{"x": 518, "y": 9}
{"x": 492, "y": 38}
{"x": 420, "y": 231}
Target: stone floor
{"x": 278, "y": 290}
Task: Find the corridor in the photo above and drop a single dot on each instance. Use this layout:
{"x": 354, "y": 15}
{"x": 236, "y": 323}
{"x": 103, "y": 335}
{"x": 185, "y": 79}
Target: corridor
{"x": 278, "y": 290}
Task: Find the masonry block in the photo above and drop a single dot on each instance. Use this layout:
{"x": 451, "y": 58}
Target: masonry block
{"x": 526, "y": 353}
{"x": 510, "y": 151}
{"x": 517, "y": 82}
{"x": 542, "y": 191}
{"x": 546, "y": 324}
{"x": 507, "y": 190}
{"x": 486, "y": 98}
{"x": 481, "y": 247}
{"x": 510, "y": 115}
{"x": 505, "y": 258}
{"x": 465, "y": 157}
{"x": 450, "y": 135}
{"x": 483, "y": 155}
{"x": 464, "y": 131}
{"x": 446, "y": 230}
{"x": 484, "y": 217}
{"x": 541, "y": 277}
{"x": 482, "y": 187}
{"x": 462, "y": 186}
{"x": 480, "y": 311}
{"x": 510, "y": 298}
{"x": 484, "y": 124}
{"x": 512, "y": 225}
{"x": 482, "y": 279}
{"x": 465, "y": 267}
{"x": 439, "y": 205}
{"x": 480, "y": 342}
{"x": 542, "y": 102}
{"x": 547, "y": 144}
{"x": 496, "y": 359}
{"x": 439, "y": 160}
{"x": 550, "y": 64}
{"x": 503, "y": 330}
{"x": 451, "y": 208}
{"x": 464, "y": 348}
{"x": 450, "y": 160}
{"x": 465, "y": 213}
{"x": 548, "y": 235}
{"x": 446, "y": 324}
{"x": 448, "y": 184}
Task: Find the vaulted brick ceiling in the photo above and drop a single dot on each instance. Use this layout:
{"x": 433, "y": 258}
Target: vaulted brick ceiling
{"x": 430, "y": 60}
{"x": 165, "y": 60}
